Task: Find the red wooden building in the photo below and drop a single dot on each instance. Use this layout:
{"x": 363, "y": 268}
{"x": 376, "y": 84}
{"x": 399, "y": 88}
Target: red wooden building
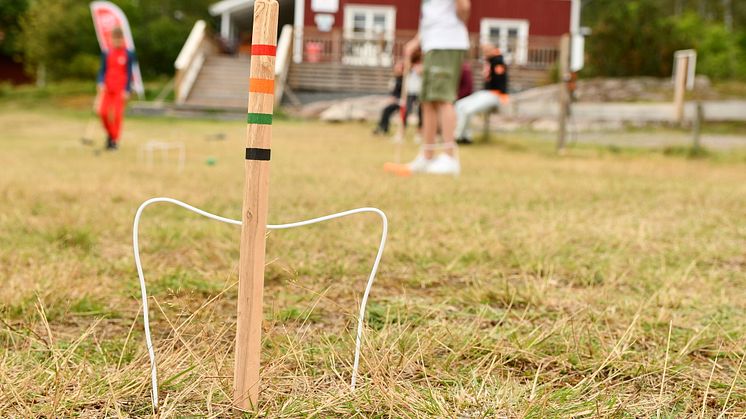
{"x": 349, "y": 46}
{"x": 370, "y": 32}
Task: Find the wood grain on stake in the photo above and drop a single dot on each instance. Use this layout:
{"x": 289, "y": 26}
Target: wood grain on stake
{"x": 255, "y": 204}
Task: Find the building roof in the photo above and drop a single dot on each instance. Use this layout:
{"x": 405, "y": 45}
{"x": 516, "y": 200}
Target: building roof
{"x": 229, "y": 6}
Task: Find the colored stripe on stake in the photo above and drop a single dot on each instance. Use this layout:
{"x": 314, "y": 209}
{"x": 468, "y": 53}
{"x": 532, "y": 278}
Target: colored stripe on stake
{"x": 260, "y": 49}
{"x": 259, "y": 118}
{"x": 262, "y": 154}
{"x": 262, "y": 86}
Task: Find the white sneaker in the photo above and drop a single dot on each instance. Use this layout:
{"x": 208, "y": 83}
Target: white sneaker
{"x": 443, "y": 165}
{"x": 419, "y": 164}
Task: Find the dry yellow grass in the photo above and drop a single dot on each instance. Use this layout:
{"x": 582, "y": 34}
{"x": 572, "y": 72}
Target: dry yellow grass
{"x": 593, "y": 285}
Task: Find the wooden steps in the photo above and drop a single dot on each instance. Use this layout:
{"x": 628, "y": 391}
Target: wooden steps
{"x": 223, "y": 83}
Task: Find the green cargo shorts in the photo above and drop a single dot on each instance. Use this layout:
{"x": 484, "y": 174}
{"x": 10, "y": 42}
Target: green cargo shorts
{"x": 442, "y": 75}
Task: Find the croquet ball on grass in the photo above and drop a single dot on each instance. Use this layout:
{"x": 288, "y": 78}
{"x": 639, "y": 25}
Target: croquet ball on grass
{"x": 211, "y": 161}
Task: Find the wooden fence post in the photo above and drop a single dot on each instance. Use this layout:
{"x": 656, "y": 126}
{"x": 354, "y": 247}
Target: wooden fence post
{"x": 699, "y": 118}
{"x": 682, "y": 72}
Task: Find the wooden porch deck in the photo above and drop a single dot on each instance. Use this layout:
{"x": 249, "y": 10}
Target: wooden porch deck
{"x": 334, "y": 47}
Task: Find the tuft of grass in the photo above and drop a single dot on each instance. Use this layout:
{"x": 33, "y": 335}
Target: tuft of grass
{"x": 688, "y": 152}
{"x": 70, "y": 237}
{"x": 183, "y": 282}
{"x": 89, "y": 306}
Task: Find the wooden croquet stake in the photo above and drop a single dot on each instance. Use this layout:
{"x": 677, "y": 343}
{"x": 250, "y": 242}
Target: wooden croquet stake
{"x": 255, "y": 204}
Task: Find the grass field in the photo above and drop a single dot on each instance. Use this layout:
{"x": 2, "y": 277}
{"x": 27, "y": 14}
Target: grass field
{"x": 597, "y": 284}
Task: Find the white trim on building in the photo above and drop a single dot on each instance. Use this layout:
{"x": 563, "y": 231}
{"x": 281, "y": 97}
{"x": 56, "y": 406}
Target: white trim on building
{"x": 376, "y": 20}
{"x": 299, "y": 22}
{"x": 225, "y": 9}
{"x": 369, "y": 32}
{"x": 229, "y": 6}
{"x": 575, "y": 8}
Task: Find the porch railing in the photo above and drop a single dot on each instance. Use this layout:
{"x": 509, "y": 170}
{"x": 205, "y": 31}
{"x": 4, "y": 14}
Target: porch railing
{"x": 357, "y": 49}
{"x": 543, "y": 52}
{"x": 191, "y": 58}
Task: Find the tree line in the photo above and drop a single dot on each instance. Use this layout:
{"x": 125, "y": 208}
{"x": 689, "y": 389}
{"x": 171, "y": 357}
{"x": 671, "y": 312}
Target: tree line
{"x": 639, "y": 37}
{"x": 59, "y": 34}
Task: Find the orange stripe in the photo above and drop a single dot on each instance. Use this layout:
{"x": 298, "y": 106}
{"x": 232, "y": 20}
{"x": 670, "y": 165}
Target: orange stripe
{"x": 262, "y": 86}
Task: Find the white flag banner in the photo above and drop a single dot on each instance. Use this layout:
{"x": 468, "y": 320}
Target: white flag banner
{"x": 106, "y": 17}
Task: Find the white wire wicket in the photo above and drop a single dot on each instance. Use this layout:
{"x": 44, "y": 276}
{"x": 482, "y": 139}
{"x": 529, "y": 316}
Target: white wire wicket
{"x": 144, "y": 294}
{"x": 148, "y": 150}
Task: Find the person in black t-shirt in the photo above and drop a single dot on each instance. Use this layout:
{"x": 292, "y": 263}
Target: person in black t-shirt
{"x": 497, "y": 75}
{"x": 495, "y": 92}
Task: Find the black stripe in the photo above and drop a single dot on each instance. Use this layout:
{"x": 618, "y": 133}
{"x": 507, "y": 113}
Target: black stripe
{"x": 258, "y": 154}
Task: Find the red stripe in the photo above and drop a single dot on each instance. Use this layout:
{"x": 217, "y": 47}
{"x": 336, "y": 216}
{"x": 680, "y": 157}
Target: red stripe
{"x": 259, "y": 49}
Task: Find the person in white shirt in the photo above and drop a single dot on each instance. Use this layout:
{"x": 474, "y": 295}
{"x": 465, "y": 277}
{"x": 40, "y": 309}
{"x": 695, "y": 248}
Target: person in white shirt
{"x": 414, "y": 87}
{"x": 444, "y": 40}
{"x": 414, "y": 90}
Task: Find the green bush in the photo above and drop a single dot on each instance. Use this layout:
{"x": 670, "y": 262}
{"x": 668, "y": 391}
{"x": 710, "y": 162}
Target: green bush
{"x": 84, "y": 66}
{"x": 639, "y": 38}
{"x": 720, "y": 54}
{"x": 59, "y": 34}
{"x": 10, "y": 12}
{"x": 55, "y": 33}
{"x": 158, "y": 44}
{"x": 632, "y": 39}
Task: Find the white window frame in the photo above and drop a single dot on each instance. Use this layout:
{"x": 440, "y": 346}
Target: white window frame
{"x": 366, "y": 51}
{"x": 369, "y": 10}
{"x": 521, "y": 25}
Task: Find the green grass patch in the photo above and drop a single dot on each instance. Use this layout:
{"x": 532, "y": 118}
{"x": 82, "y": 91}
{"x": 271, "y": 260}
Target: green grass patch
{"x": 183, "y": 282}
{"x": 534, "y": 285}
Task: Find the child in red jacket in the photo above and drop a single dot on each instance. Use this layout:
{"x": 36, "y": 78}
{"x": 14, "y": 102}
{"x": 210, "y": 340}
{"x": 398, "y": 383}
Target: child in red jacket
{"x": 114, "y": 86}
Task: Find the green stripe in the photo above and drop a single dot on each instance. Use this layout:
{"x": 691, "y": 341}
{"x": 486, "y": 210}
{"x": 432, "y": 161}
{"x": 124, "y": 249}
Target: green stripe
{"x": 260, "y": 118}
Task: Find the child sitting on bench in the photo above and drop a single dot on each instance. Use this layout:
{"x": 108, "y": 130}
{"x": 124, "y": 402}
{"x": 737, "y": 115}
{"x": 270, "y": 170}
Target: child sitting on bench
{"x": 495, "y": 92}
